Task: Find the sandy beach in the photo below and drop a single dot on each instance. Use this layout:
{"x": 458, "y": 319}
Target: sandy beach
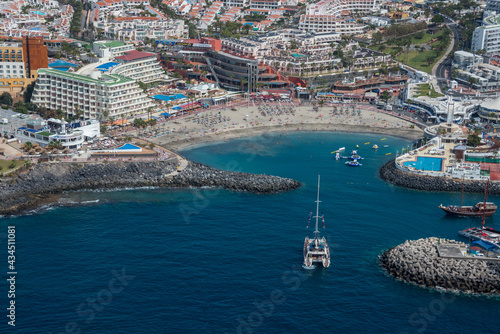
{"x": 279, "y": 117}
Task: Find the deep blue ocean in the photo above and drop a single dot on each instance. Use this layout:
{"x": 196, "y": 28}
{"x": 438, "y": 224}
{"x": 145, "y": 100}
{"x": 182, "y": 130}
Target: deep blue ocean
{"x": 214, "y": 261}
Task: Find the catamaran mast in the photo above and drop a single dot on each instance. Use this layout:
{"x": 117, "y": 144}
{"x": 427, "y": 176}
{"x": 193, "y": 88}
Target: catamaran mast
{"x": 316, "y": 231}
{"x": 463, "y": 186}
{"x": 484, "y": 204}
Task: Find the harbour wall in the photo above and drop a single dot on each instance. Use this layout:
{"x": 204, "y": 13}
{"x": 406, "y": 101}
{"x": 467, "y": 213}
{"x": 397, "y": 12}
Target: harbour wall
{"x": 27, "y": 190}
{"x": 417, "y": 261}
{"x": 390, "y": 173}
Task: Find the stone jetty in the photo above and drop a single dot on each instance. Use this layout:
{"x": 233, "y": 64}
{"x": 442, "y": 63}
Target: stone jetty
{"x": 403, "y": 179}
{"x": 27, "y": 190}
{"x": 418, "y": 262}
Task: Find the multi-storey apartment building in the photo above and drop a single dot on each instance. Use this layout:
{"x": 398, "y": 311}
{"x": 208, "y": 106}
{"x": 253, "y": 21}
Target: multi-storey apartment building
{"x": 493, "y": 5}
{"x": 19, "y": 62}
{"x": 329, "y": 23}
{"x": 89, "y": 96}
{"x": 236, "y": 3}
{"x": 487, "y": 37}
{"x": 327, "y": 15}
{"x": 138, "y": 28}
{"x": 141, "y": 66}
{"x": 265, "y": 4}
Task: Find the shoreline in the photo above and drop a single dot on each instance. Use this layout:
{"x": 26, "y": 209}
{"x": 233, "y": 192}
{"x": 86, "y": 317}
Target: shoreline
{"x": 409, "y": 134}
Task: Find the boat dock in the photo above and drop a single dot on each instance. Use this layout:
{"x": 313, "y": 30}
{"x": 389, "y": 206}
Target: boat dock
{"x": 453, "y": 251}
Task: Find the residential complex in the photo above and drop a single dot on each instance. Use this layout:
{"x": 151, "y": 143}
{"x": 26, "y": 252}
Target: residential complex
{"x": 334, "y": 15}
{"x": 89, "y": 97}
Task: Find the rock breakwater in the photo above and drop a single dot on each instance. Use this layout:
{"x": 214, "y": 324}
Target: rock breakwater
{"x": 26, "y": 191}
{"x": 403, "y": 179}
{"x": 418, "y": 262}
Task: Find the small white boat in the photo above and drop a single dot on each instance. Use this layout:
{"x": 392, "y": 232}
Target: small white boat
{"x": 375, "y": 147}
{"x": 341, "y": 149}
{"x": 337, "y": 156}
{"x": 386, "y": 145}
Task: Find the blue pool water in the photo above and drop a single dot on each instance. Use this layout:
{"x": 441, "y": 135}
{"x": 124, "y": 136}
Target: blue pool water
{"x": 210, "y": 261}
{"x": 62, "y": 63}
{"x": 169, "y": 97}
{"x": 128, "y": 147}
{"x": 37, "y": 12}
{"x": 426, "y": 163}
{"x": 106, "y": 66}
{"x": 35, "y": 28}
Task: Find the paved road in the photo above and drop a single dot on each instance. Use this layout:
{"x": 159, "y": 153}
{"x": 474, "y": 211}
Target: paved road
{"x": 441, "y": 71}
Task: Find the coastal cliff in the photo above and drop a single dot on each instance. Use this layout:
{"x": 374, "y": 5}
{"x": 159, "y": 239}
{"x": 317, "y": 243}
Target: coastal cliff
{"x": 27, "y": 190}
{"x": 417, "y": 261}
{"x": 393, "y": 175}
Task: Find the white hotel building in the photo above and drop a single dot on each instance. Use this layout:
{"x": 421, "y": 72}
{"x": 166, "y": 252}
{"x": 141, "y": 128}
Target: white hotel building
{"x": 488, "y": 36}
{"x": 92, "y": 95}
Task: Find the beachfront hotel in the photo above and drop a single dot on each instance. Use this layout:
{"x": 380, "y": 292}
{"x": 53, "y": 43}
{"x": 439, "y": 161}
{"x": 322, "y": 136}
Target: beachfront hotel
{"x": 89, "y": 96}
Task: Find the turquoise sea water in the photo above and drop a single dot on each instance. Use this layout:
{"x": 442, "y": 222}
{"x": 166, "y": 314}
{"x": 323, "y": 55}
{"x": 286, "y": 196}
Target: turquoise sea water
{"x": 213, "y": 261}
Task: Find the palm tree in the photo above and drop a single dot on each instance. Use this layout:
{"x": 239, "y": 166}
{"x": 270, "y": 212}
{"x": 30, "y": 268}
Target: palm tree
{"x": 28, "y": 146}
{"x": 321, "y": 103}
{"x": 243, "y": 82}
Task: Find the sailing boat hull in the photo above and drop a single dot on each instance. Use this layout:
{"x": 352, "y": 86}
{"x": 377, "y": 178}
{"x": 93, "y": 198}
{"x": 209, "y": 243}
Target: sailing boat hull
{"x": 469, "y": 211}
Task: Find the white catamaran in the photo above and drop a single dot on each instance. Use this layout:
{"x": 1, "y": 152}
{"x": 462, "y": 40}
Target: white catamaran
{"x": 316, "y": 250}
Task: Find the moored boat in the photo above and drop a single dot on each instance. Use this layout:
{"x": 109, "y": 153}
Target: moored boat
{"x": 316, "y": 250}
{"x": 470, "y": 211}
{"x": 484, "y": 209}
{"x": 375, "y": 147}
{"x": 486, "y": 234}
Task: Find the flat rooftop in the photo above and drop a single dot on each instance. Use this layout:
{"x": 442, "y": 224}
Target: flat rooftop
{"x": 108, "y": 79}
{"x": 111, "y": 44}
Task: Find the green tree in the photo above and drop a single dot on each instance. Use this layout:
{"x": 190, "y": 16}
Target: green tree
{"x": 437, "y": 18}
{"x": 473, "y": 140}
{"x": 5, "y": 98}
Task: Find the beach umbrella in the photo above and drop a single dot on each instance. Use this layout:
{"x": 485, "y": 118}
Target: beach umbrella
{"x": 31, "y": 152}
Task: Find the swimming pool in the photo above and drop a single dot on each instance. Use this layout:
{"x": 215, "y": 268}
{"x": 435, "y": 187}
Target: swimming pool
{"x": 128, "y": 146}
{"x": 106, "y": 66}
{"x": 37, "y": 12}
{"x": 298, "y": 55}
{"x": 62, "y": 63}
{"x": 169, "y": 97}
{"x": 426, "y": 163}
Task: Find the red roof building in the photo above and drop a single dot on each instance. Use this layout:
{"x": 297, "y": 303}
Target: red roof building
{"x": 134, "y": 55}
